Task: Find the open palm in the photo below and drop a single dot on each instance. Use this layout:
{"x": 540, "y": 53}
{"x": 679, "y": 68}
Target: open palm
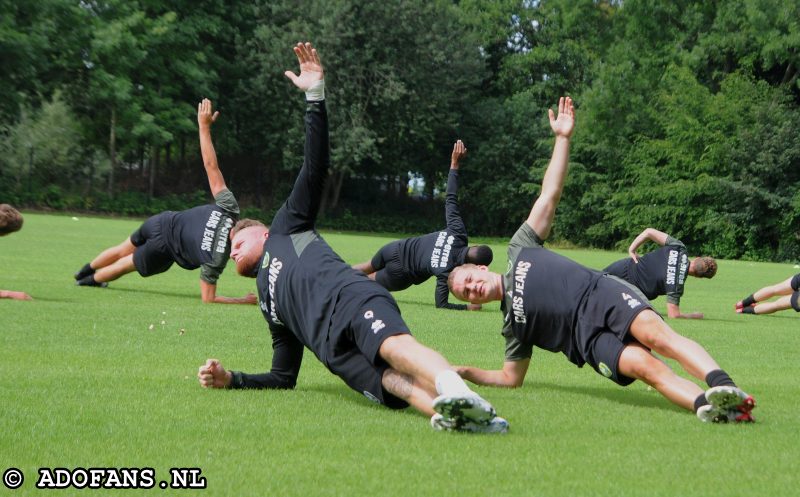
{"x": 310, "y": 67}
{"x": 564, "y": 123}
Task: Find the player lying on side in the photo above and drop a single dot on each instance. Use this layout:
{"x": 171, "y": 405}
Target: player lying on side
{"x": 197, "y": 237}
{"x": 412, "y": 261}
{"x": 662, "y": 271}
{"x": 312, "y": 299}
{"x": 553, "y": 303}
{"x": 11, "y": 221}
{"x": 788, "y": 289}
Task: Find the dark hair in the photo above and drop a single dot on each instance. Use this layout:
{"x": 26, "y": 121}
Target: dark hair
{"x": 245, "y": 223}
{"x": 10, "y": 219}
{"x": 705, "y": 267}
{"x": 479, "y": 254}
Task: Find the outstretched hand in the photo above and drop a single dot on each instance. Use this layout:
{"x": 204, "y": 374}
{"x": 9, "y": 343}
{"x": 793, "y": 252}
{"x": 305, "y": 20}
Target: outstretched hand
{"x": 564, "y": 123}
{"x": 213, "y": 375}
{"x": 459, "y": 152}
{"x": 205, "y": 117}
{"x": 310, "y": 67}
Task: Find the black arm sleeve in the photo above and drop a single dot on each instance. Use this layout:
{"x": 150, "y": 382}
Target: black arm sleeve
{"x": 455, "y": 224}
{"x": 299, "y": 212}
{"x": 443, "y": 295}
{"x": 287, "y": 356}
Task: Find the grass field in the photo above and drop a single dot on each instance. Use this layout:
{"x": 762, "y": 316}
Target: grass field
{"x": 85, "y": 383}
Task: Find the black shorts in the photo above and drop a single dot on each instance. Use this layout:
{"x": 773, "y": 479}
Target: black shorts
{"x": 151, "y": 255}
{"x": 365, "y": 315}
{"x": 391, "y": 274}
{"x": 604, "y": 325}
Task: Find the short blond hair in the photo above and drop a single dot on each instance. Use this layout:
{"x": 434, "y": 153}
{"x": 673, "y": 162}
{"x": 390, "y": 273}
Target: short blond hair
{"x": 246, "y": 223}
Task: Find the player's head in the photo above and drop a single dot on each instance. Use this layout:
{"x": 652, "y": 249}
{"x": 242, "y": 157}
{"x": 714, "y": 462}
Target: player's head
{"x": 473, "y": 283}
{"x": 703, "y": 267}
{"x": 479, "y": 254}
{"x": 247, "y": 245}
{"x": 10, "y": 220}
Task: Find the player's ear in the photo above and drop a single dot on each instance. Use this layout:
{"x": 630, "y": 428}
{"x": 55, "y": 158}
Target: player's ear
{"x": 482, "y": 267}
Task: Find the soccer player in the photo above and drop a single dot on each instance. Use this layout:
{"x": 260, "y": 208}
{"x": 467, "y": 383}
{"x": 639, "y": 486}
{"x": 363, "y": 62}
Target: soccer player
{"x": 662, "y": 271}
{"x": 197, "y": 237}
{"x": 411, "y": 261}
{"x": 553, "y": 303}
{"x": 311, "y": 298}
{"x": 11, "y": 221}
{"x": 789, "y": 289}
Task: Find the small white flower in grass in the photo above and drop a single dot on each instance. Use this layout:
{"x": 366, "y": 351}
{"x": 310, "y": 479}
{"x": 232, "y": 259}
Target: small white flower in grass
{"x": 164, "y": 313}
{"x": 74, "y": 218}
{"x": 151, "y": 327}
{"x": 163, "y": 322}
{"x": 182, "y": 331}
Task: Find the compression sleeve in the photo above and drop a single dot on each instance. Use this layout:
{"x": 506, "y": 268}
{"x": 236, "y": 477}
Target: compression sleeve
{"x": 443, "y": 294}
{"x": 455, "y": 225}
{"x": 287, "y": 356}
{"x": 299, "y": 212}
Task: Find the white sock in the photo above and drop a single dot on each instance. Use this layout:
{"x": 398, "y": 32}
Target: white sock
{"x": 448, "y": 383}
{"x": 316, "y": 92}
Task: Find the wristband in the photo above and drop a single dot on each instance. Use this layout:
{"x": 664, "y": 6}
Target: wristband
{"x": 316, "y": 92}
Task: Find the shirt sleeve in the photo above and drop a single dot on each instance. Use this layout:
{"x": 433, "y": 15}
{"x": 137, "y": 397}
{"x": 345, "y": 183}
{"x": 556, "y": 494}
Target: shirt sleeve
{"x": 227, "y": 201}
{"x": 443, "y": 295}
{"x": 299, "y": 212}
{"x": 523, "y": 238}
{"x": 455, "y": 225}
{"x": 674, "y": 242}
{"x": 515, "y": 349}
{"x": 287, "y": 356}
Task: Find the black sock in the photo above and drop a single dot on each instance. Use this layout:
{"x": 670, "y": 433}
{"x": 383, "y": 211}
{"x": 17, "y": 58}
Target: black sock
{"x": 748, "y": 310}
{"x": 85, "y": 271}
{"x": 718, "y": 378}
{"x": 700, "y": 401}
{"x": 748, "y": 301}
{"x": 90, "y": 281}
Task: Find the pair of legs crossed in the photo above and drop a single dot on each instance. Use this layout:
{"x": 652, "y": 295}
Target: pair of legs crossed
{"x": 788, "y": 290}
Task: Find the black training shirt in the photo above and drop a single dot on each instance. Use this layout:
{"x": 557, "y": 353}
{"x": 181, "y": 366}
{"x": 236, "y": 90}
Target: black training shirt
{"x": 660, "y": 272}
{"x": 199, "y": 236}
{"x": 543, "y": 295}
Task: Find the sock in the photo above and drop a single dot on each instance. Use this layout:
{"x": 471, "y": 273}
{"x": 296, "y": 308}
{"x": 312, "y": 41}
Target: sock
{"x": 700, "y": 401}
{"x": 748, "y": 301}
{"x": 748, "y": 310}
{"x": 85, "y": 271}
{"x": 317, "y": 92}
{"x": 718, "y": 378}
{"x": 448, "y": 382}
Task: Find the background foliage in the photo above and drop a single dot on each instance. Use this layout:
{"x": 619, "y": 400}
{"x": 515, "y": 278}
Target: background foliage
{"x": 687, "y": 111}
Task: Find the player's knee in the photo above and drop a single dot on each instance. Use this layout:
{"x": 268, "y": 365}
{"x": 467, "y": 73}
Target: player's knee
{"x": 395, "y": 346}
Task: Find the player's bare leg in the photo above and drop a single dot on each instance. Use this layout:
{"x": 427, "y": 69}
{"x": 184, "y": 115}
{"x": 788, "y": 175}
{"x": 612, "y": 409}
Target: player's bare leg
{"x": 781, "y": 304}
{"x": 782, "y": 288}
{"x": 406, "y": 387}
{"x": 119, "y": 268}
{"x": 637, "y": 362}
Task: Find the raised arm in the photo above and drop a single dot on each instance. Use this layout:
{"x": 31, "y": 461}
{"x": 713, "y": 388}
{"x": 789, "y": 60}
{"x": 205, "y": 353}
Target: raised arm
{"x": 454, "y": 222}
{"x": 544, "y": 209}
{"x": 652, "y": 234}
{"x": 302, "y": 206}
{"x": 205, "y": 118}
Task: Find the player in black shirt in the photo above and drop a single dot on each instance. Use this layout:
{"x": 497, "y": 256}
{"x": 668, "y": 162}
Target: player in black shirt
{"x": 311, "y": 298}
{"x": 197, "y": 237}
{"x": 789, "y": 290}
{"x": 411, "y": 261}
{"x": 662, "y": 271}
{"x": 553, "y": 303}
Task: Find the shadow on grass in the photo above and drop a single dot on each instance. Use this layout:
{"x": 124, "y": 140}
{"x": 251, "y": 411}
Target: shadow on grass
{"x": 620, "y": 395}
{"x": 193, "y": 296}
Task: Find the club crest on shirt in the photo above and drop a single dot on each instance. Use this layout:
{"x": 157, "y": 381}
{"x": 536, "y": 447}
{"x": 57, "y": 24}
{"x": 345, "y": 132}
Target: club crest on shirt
{"x": 265, "y": 261}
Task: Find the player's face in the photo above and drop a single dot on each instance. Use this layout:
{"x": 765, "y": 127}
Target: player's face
{"x": 473, "y": 284}
{"x": 247, "y": 246}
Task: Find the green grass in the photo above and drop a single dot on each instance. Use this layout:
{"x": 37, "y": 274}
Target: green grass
{"x": 85, "y": 383}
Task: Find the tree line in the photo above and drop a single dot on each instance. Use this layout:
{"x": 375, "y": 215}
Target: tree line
{"x": 687, "y": 111}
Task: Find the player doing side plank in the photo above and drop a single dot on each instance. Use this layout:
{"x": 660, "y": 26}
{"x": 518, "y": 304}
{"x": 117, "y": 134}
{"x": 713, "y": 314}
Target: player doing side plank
{"x": 197, "y": 237}
{"x": 411, "y": 261}
{"x": 553, "y": 303}
{"x": 312, "y": 299}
